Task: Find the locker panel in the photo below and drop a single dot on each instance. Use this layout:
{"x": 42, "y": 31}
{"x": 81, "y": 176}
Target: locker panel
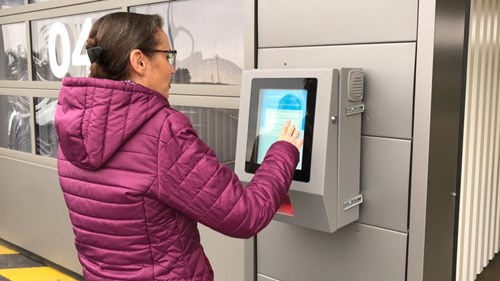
{"x": 285, "y": 23}
{"x": 389, "y": 76}
{"x": 385, "y": 176}
{"x": 356, "y": 252}
{"x": 261, "y": 277}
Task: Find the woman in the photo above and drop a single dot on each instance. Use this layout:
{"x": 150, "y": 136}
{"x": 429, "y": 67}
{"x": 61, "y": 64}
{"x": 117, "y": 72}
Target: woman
{"x": 136, "y": 178}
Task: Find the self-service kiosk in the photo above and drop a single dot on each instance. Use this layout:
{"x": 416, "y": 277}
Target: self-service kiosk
{"x": 326, "y": 105}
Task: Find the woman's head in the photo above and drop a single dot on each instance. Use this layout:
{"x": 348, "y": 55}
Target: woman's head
{"x": 130, "y": 44}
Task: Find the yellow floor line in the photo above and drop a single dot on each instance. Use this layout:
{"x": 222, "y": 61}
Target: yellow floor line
{"x": 6, "y": 251}
{"x": 35, "y": 274}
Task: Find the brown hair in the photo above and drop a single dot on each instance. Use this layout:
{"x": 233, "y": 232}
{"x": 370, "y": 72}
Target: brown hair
{"x": 118, "y": 34}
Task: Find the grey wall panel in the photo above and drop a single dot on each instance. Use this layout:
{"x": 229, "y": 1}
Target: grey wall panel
{"x": 385, "y": 177}
{"x": 31, "y": 202}
{"x": 389, "y": 72}
{"x": 229, "y": 257}
{"x": 326, "y": 22}
{"x": 356, "y": 252}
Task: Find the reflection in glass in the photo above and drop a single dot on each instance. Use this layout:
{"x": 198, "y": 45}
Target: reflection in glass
{"x": 10, "y": 3}
{"x": 58, "y": 46}
{"x": 15, "y": 129}
{"x": 46, "y": 135}
{"x": 208, "y": 36}
{"x": 216, "y": 127}
{"x": 13, "y": 54}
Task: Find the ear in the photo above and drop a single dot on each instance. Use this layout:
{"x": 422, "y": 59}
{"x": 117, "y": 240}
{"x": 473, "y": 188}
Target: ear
{"x": 138, "y": 61}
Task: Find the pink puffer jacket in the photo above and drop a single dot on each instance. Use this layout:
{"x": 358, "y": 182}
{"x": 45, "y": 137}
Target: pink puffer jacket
{"x": 136, "y": 179}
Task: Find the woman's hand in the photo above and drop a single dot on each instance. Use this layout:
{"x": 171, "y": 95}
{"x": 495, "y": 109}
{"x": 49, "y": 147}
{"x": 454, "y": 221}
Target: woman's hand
{"x": 290, "y": 134}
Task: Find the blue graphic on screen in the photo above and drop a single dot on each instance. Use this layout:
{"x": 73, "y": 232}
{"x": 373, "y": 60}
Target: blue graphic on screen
{"x": 276, "y": 107}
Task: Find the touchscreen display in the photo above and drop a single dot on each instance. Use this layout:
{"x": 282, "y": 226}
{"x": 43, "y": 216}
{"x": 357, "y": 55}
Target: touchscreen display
{"x": 273, "y": 101}
{"x": 276, "y": 106}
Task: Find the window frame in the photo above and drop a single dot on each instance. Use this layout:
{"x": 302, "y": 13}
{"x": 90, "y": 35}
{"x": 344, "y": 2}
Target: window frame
{"x": 212, "y": 96}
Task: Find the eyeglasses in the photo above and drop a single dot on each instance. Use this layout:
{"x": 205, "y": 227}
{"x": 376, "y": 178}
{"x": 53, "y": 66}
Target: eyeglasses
{"x": 171, "y": 54}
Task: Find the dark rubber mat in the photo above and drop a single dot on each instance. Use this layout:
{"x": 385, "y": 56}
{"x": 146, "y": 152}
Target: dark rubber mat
{"x": 3, "y": 278}
{"x": 16, "y": 261}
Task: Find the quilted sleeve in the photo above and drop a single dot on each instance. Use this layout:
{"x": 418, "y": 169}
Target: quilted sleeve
{"x": 193, "y": 181}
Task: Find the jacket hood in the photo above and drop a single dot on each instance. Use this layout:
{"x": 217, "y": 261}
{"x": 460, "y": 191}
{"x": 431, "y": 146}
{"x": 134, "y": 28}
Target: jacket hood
{"x": 94, "y": 117}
